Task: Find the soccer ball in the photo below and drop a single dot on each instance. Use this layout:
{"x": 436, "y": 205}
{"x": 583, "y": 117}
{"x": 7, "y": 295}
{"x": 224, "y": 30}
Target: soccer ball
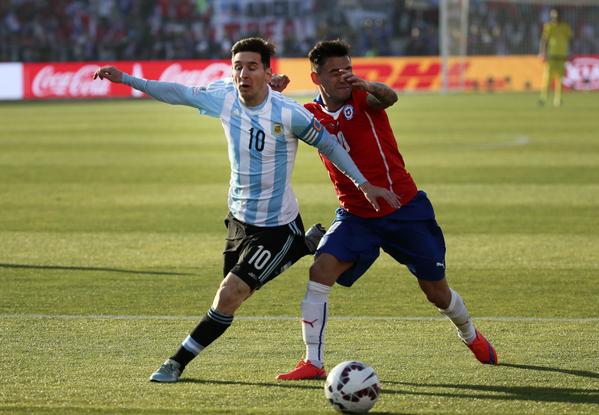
{"x": 352, "y": 387}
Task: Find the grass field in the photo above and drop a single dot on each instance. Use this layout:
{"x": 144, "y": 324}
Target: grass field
{"x": 111, "y": 230}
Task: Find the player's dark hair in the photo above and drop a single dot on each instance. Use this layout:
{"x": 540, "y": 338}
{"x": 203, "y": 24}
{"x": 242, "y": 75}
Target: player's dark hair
{"x": 558, "y": 13}
{"x": 258, "y": 45}
{"x": 327, "y": 49}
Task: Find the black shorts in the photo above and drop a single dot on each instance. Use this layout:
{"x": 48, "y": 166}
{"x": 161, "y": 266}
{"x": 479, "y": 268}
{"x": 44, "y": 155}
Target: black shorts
{"x": 258, "y": 254}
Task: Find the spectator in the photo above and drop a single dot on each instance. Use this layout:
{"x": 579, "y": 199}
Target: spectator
{"x": 85, "y": 30}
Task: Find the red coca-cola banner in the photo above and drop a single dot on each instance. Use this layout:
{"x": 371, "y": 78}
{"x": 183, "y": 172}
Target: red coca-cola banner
{"x": 75, "y": 80}
{"x": 582, "y": 73}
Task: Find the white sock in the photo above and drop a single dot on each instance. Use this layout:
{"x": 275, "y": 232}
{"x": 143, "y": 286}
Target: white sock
{"x": 314, "y": 320}
{"x": 458, "y": 314}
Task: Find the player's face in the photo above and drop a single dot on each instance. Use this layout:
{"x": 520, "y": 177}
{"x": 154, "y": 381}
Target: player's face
{"x": 329, "y": 79}
{"x": 250, "y": 77}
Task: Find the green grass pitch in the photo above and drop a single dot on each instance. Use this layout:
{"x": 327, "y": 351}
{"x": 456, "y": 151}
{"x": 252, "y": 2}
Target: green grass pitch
{"x": 111, "y": 230}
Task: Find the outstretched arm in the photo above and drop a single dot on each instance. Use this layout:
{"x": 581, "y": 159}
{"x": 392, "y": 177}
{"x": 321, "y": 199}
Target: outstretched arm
{"x": 169, "y": 92}
{"x": 111, "y": 73}
{"x": 328, "y": 146}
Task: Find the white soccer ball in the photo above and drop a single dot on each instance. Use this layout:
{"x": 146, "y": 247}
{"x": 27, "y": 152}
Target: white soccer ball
{"x": 352, "y": 387}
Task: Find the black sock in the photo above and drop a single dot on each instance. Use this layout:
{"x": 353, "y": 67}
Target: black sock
{"x": 210, "y": 328}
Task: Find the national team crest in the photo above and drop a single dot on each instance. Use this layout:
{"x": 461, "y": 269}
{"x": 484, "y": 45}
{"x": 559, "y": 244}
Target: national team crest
{"x": 348, "y": 112}
{"x": 277, "y": 129}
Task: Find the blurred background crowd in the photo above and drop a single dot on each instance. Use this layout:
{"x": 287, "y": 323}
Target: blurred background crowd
{"x": 84, "y": 30}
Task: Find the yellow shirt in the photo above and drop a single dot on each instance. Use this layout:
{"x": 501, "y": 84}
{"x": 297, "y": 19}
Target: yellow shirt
{"x": 557, "y": 35}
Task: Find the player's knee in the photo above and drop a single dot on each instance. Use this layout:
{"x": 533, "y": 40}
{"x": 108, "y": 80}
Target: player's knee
{"x": 324, "y": 272}
{"x": 229, "y": 297}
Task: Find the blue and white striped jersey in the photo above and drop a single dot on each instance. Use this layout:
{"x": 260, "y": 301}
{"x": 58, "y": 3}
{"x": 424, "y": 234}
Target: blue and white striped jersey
{"x": 262, "y": 143}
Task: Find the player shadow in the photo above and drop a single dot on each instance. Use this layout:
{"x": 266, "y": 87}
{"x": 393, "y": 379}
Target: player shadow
{"x": 304, "y": 384}
{"x": 508, "y": 393}
{"x": 95, "y": 269}
{"x": 581, "y": 373}
{"x": 285, "y": 385}
{"x": 523, "y": 393}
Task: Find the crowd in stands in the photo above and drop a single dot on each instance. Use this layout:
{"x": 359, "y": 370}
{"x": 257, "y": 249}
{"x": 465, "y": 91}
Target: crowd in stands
{"x": 512, "y": 28}
{"x": 85, "y": 30}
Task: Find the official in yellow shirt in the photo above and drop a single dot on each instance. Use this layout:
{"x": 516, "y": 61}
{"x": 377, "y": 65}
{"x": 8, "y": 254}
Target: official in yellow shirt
{"x": 554, "y": 49}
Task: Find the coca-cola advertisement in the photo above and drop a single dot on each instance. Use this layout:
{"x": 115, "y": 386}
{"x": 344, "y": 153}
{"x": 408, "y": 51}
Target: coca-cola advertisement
{"x": 582, "y": 73}
{"x": 75, "y": 80}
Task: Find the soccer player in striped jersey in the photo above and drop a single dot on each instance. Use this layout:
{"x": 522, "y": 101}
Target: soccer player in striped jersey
{"x": 354, "y": 110}
{"x": 265, "y": 230}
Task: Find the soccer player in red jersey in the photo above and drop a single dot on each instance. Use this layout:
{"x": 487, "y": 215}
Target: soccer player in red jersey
{"x": 353, "y": 109}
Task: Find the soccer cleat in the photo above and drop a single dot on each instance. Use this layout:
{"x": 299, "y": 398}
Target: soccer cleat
{"x": 169, "y": 372}
{"x": 303, "y": 370}
{"x": 313, "y": 237}
{"x": 483, "y": 350}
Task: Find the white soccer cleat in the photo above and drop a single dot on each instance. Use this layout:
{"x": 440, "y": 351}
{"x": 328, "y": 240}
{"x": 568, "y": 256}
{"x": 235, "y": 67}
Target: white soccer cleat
{"x": 169, "y": 372}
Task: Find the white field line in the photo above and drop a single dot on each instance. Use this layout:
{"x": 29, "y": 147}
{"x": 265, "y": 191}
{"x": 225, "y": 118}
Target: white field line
{"x": 518, "y": 140}
{"x": 287, "y": 318}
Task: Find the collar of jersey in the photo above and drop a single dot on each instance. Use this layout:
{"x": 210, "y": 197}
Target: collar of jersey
{"x": 320, "y": 102}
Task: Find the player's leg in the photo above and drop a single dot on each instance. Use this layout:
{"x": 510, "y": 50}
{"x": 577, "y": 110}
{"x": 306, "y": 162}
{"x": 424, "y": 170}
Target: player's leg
{"x": 545, "y": 83}
{"x": 450, "y": 304}
{"x": 558, "y": 73}
{"x": 345, "y": 253}
{"x": 557, "y": 95}
{"x": 420, "y": 245}
{"x": 231, "y": 294}
{"x": 214, "y": 323}
{"x": 261, "y": 254}
{"x": 314, "y": 309}
{"x": 323, "y": 273}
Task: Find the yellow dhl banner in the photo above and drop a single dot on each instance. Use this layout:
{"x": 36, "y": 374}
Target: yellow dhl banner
{"x": 484, "y": 73}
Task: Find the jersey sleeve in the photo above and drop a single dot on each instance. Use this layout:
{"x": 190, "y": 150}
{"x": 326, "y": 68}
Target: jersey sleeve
{"x": 310, "y": 130}
{"x": 360, "y": 96}
{"x": 360, "y": 100}
{"x": 208, "y": 100}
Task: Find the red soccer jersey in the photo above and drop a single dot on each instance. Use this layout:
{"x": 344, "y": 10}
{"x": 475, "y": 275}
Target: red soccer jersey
{"x": 366, "y": 134}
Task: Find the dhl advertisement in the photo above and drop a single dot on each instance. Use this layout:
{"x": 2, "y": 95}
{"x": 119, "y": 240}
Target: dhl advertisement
{"x": 481, "y": 73}
{"x": 67, "y": 80}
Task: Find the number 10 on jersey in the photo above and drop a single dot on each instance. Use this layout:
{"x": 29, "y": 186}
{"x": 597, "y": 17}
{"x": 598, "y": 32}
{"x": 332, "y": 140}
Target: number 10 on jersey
{"x": 260, "y": 258}
{"x": 257, "y": 139}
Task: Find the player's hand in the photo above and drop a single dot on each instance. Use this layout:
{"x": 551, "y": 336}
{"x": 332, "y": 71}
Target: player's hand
{"x": 109, "y": 72}
{"x": 279, "y": 82}
{"x": 373, "y": 193}
{"x": 354, "y": 80}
